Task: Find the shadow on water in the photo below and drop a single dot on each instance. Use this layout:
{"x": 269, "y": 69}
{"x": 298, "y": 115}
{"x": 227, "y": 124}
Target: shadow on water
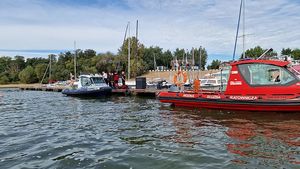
{"x": 271, "y": 139}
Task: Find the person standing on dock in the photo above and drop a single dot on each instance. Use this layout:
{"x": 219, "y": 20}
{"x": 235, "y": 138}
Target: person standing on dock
{"x": 104, "y": 75}
{"x": 123, "y": 76}
{"x": 116, "y": 79}
{"x": 110, "y": 79}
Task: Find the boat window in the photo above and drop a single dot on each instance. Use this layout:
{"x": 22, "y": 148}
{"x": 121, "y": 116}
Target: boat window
{"x": 211, "y": 81}
{"x": 263, "y": 74}
{"x": 203, "y": 81}
{"x": 85, "y": 81}
{"x": 98, "y": 80}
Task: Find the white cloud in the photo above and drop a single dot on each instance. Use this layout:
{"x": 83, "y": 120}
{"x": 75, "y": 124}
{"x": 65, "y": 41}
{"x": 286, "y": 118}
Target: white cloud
{"x": 34, "y": 24}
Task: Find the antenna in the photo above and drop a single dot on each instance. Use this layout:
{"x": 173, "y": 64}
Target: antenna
{"x": 262, "y": 55}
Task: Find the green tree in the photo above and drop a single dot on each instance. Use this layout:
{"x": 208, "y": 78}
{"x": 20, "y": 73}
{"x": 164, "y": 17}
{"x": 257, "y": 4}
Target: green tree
{"x": 296, "y": 54}
{"x": 179, "y": 54}
{"x": 257, "y": 51}
{"x": 215, "y": 64}
{"x": 4, "y": 64}
{"x": 3, "y": 78}
{"x": 286, "y": 51}
{"x": 40, "y": 70}
{"x": 27, "y": 75}
{"x": 203, "y": 57}
{"x": 166, "y": 58}
{"x": 151, "y": 54}
{"x": 136, "y": 54}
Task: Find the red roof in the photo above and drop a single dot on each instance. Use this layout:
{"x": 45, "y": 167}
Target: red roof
{"x": 269, "y": 62}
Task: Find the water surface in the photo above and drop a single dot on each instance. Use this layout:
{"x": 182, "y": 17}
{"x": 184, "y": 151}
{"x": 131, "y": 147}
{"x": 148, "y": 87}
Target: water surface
{"x": 49, "y": 130}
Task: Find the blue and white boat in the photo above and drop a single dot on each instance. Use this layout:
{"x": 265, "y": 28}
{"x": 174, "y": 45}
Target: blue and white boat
{"x": 88, "y": 86}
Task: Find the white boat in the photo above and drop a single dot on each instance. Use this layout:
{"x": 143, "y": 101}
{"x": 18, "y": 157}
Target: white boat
{"x": 88, "y": 85}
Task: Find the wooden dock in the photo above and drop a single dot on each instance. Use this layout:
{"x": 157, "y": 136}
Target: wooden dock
{"x": 151, "y": 92}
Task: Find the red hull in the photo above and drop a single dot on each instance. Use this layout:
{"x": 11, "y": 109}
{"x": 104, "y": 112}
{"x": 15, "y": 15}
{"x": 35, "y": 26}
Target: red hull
{"x": 251, "y": 86}
{"x": 226, "y": 104}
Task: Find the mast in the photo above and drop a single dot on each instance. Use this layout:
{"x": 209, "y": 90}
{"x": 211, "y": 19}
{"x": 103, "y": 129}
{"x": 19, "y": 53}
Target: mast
{"x": 200, "y": 57}
{"x": 136, "y": 49}
{"x": 128, "y": 50}
{"x": 237, "y": 30}
{"x": 125, "y": 34}
{"x": 75, "y": 65}
{"x": 50, "y": 65}
{"x": 154, "y": 62}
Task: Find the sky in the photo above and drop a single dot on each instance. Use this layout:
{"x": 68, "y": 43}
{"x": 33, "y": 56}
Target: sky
{"x": 34, "y": 28}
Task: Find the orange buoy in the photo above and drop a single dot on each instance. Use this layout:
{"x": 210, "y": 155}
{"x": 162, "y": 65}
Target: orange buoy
{"x": 196, "y": 86}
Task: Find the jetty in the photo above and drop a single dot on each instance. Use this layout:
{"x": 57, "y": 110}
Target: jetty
{"x": 151, "y": 92}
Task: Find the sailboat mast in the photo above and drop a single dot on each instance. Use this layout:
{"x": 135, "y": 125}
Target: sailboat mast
{"x": 237, "y": 30}
{"x": 136, "y": 49}
{"x": 128, "y": 50}
{"x": 50, "y": 65}
{"x": 200, "y": 57}
{"x": 75, "y": 65}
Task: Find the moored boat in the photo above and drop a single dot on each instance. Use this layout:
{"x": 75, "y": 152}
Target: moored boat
{"x": 88, "y": 86}
{"x": 252, "y": 85}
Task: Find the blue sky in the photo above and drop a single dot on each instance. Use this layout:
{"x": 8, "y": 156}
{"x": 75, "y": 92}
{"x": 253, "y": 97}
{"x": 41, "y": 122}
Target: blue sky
{"x": 38, "y": 27}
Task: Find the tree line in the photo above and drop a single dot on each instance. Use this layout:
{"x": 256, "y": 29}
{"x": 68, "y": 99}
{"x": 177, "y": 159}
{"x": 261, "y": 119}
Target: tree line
{"x": 143, "y": 59}
{"x": 32, "y": 70}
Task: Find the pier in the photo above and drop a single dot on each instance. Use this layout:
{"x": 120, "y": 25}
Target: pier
{"x": 151, "y": 92}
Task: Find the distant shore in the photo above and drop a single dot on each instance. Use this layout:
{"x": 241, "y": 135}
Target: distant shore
{"x": 19, "y": 85}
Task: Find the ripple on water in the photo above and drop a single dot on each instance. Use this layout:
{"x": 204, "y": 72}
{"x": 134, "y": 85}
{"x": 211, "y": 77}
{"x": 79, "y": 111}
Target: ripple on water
{"x": 49, "y": 130}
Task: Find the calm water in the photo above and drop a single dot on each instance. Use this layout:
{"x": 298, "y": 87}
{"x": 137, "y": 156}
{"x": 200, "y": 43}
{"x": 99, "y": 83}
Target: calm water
{"x": 49, "y": 130}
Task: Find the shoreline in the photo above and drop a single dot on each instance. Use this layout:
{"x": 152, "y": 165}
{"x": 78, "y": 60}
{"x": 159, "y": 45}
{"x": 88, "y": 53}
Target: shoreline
{"x": 3, "y": 86}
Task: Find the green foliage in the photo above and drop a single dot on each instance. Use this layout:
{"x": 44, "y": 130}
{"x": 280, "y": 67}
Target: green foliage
{"x": 286, "y": 51}
{"x": 3, "y": 78}
{"x": 296, "y": 54}
{"x": 136, "y": 54}
{"x": 257, "y": 51}
{"x": 88, "y": 61}
{"x": 40, "y": 70}
{"x": 203, "y": 57}
{"x": 27, "y": 75}
{"x": 215, "y": 64}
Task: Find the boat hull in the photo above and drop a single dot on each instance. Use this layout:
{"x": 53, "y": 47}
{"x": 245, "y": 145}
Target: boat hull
{"x": 227, "y": 104}
{"x": 87, "y": 92}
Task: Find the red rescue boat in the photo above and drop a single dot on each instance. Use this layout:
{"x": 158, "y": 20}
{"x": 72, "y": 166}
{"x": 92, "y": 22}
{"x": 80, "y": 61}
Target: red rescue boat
{"x": 252, "y": 85}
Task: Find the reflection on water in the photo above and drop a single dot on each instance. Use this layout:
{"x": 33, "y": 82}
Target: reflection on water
{"x": 270, "y": 139}
{"x": 48, "y": 130}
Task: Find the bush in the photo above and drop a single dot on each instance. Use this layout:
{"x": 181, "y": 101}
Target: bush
{"x": 4, "y": 79}
{"x": 27, "y": 75}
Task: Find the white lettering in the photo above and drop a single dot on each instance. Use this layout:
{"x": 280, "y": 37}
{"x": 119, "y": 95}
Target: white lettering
{"x": 188, "y": 95}
{"x": 243, "y": 97}
{"x": 235, "y": 83}
{"x": 213, "y": 97}
{"x": 234, "y": 72}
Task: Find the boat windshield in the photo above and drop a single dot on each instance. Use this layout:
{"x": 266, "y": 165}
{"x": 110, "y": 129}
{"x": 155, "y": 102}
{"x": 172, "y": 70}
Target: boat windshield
{"x": 97, "y": 80}
{"x": 264, "y": 74}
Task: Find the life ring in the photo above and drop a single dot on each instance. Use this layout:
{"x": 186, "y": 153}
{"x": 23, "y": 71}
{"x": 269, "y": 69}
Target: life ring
{"x": 180, "y": 78}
